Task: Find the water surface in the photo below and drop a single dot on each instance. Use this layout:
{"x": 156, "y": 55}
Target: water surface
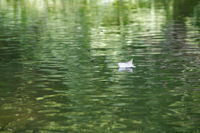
{"x": 59, "y": 73}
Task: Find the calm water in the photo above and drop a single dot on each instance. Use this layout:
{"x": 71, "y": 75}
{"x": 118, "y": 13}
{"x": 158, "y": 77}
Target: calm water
{"x": 59, "y": 73}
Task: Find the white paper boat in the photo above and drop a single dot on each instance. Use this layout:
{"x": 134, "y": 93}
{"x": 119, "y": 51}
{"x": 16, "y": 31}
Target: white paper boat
{"x": 128, "y": 64}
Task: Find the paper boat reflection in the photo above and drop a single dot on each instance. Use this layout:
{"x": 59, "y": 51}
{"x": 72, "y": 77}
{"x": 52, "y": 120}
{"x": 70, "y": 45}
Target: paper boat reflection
{"x": 128, "y": 69}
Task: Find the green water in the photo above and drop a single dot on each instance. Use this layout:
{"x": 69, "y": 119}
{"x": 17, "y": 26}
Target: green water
{"x": 59, "y": 72}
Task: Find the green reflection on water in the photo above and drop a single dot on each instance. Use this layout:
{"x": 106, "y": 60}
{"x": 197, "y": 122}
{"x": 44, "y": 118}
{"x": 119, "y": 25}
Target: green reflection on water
{"x": 58, "y": 66}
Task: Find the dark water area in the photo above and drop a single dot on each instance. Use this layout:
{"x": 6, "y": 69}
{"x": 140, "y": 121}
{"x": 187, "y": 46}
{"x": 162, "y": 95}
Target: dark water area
{"x": 59, "y": 72}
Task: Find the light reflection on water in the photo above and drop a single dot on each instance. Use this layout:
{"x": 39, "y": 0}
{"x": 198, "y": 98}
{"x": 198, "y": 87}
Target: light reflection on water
{"x": 59, "y": 73}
